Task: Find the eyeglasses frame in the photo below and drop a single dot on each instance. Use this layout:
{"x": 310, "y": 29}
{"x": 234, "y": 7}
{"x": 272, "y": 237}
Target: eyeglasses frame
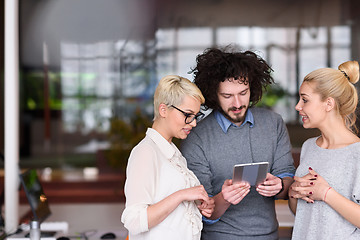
{"x": 187, "y": 115}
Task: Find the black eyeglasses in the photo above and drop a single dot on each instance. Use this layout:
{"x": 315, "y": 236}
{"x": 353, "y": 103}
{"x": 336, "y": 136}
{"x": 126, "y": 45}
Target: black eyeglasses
{"x": 190, "y": 117}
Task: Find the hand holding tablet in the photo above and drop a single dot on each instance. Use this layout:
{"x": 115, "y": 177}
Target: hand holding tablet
{"x": 253, "y": 173}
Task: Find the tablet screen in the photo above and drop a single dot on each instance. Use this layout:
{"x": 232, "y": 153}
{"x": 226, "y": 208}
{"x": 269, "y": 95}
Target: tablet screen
{"x": 253, "y": 173}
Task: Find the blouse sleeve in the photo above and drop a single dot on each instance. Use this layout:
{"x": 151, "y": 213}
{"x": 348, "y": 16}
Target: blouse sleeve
{"x": 139, "y": 188}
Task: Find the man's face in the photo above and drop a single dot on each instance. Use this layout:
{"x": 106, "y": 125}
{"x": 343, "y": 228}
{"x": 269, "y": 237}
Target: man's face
{"x": 234, "y": 99}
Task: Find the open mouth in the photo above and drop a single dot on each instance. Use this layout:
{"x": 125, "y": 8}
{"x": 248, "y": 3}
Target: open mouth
{"x": 187, "y": 130}
{"x": 237, "y": 110}
{"x": 304, "y": 118}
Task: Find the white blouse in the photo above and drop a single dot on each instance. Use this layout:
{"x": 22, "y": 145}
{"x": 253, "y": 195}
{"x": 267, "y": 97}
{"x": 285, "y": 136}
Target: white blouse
{"x": 155, "y": 170}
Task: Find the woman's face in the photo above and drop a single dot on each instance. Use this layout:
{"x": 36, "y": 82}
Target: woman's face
{"x": 176, "y": 119}
{"x": 310, "y": 106}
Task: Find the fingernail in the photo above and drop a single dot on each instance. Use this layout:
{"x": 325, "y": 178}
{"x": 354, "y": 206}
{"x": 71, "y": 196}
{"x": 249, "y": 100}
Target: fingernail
{"x": 310, "y": 168}
{"x": 311, "y": 183}
{"x": 310, "y": 193}
{"x": 291, "y": 196}
{"x": 315, "y": 175}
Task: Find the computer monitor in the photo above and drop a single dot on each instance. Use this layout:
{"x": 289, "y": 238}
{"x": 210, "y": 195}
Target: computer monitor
{"x": 34, "y": 192}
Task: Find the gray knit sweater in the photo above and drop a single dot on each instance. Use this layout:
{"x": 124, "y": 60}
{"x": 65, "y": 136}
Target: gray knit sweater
{"x": 211, "y": 155}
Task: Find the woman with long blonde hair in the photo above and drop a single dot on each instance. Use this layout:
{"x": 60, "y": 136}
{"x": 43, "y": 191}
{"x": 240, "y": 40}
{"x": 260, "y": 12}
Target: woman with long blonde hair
{"x": 326, "y": 193}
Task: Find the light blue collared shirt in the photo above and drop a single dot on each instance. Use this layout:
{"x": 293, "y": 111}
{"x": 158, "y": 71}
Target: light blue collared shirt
{"x": 226, "y": 123}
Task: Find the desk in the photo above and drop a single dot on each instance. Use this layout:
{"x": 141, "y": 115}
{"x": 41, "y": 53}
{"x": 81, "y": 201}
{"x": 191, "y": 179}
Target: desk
{"x": 105, "y": 217}
{"x": 102, "y": 217}
{"x": 284, "y": 216}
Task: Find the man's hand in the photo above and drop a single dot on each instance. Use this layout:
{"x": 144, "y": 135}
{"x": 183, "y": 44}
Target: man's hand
{"x": 234, "y": 193}
{"x": 270, "y": 187}
{"x": 230, "y": 194}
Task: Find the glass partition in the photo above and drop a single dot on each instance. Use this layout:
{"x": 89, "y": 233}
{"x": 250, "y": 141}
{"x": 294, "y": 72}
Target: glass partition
{"x": 89, "y": 67}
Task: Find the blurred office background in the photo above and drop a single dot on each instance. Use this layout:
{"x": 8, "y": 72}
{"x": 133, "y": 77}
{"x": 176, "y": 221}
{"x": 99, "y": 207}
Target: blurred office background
{"x": 88, "y": 68}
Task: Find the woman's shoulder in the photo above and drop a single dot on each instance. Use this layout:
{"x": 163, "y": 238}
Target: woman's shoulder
{"x": 309, "y": 143}
{"x": 145, "y": 147}
{"x": 355, "y": 147}
{"x": 143, "y": 155}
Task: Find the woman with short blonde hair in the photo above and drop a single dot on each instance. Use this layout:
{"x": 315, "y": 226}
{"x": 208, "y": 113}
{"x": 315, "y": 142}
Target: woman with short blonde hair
{"x": 164, "y": 199}
{"x": 172, "y": 89}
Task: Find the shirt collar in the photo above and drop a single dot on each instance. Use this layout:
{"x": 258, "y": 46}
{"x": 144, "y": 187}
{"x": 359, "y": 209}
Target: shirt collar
{"x": 168, "y": 149}
{"x": 226, "y": 123}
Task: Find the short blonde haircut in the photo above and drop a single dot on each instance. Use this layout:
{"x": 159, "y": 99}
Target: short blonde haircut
{"x": 172, "y": 89}
{"x": 339, "y": 84}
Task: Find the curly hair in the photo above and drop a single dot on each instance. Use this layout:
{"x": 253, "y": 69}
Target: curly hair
{"x": 216, "y": 65}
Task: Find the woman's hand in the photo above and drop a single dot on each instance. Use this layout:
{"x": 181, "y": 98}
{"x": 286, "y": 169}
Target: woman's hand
{"x": 161, "y": 210}
{"x": 301, "y": 187}
{"x": 194, "y": 193}
{"x": 319, "y": 188}
{"x": 198, "y": 194}
{"x": 207, "y": 208}
{"x": 309, "y": 187}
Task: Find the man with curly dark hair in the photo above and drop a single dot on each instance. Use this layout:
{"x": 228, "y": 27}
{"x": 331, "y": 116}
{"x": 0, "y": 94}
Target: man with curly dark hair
{"x": 235, "y": 132}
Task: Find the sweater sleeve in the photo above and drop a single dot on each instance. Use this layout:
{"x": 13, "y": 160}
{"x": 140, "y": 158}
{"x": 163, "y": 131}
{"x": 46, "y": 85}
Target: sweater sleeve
{"x": 283, "y": 162}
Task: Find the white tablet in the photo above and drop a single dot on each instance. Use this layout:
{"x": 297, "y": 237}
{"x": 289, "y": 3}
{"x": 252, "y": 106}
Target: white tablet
{"x": 253, "y": 173}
